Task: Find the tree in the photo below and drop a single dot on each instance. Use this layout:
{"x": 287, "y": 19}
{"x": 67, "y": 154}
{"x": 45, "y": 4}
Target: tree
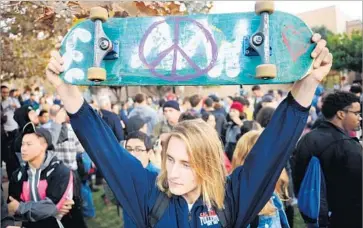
{"x": 347, "y": 51}
{"x": 323, "y": 31}
{"x": 29, "y": 30}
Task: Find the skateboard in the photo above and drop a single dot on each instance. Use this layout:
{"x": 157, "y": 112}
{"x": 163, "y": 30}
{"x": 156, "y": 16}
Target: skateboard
{"x": 261, "y": 47}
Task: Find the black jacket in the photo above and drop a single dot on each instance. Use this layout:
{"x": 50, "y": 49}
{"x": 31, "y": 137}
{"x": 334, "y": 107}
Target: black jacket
{"x": 42, "y": 193}
{"x": 6, "y": 219}
{"x": 341, "y": 161}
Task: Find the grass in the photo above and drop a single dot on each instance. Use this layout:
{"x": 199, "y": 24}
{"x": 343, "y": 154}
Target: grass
{"x": 106, "y": 216}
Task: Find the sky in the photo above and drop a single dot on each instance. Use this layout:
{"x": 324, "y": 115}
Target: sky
{"x": 353, "y": 9}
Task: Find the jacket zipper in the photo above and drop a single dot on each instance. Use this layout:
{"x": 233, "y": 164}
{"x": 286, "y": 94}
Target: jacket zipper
{"x": 33, "y": 185}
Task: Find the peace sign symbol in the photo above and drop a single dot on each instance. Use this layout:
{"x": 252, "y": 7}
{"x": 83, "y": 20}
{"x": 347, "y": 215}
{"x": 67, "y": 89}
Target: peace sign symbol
{"x": 173, "y": 76}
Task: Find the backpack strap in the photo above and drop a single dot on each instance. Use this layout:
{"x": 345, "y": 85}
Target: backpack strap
{"x": 255, "y": 222}
{"x": 224, "y": 215}
{"x": 157, "y": 211}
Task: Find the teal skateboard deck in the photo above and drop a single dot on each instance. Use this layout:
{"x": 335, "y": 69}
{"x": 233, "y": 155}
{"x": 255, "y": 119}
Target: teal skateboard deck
{"x": 210, "y": 49}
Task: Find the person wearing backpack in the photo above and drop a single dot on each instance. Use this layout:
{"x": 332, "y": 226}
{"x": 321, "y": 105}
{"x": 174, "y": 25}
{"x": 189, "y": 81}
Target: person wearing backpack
{"x": 193, "y": 176}
{"x": 340, "y": 159}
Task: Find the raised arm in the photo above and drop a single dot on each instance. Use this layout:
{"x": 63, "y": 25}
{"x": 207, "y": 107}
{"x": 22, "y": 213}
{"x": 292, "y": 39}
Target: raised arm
{"x": 303, "y": 90}
{"x": 70, "y": 94}
{"x": 252, "y": 185}
{"x": 125, "y": 175}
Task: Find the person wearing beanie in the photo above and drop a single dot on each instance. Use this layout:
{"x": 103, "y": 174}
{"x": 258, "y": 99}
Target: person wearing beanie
{"x": 171, "y": 113}
{"x": 233, "y": 127}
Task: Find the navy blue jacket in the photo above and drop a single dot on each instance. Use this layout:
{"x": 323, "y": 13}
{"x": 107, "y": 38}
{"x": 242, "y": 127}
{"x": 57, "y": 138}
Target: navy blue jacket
{"x": 248, "y": 188}
{"x": 114, "y": 122}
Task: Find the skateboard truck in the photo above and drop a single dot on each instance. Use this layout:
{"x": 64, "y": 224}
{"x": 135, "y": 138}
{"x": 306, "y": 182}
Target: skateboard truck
{"x": 114, "y": 53}
{"x": 260, "y": 41}
{"x": 102, "y": 45}
{"x": 248, "y": 50}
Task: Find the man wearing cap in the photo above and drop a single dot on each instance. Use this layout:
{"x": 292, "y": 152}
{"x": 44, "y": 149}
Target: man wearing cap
{"x": 41, "y": 190}
{"x": 171, "y": 112}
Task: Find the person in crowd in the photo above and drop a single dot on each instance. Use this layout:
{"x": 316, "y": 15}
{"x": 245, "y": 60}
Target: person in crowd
{"x": 145, "y": 112}
{"x": 192, "y": 179}
{"x": 41, "y": 190}
{"x": 340, "y": 157}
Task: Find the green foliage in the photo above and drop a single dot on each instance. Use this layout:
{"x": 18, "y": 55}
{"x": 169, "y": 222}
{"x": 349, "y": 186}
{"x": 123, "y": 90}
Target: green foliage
{"x": 347, "y": 51}
{"x": 323, "y": 31}
{"x": 30, "y": 29}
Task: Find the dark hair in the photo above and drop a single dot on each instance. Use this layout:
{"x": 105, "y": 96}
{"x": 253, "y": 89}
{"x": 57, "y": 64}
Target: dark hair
{"x": 188, "y": 115}
{"x": 4, "y": 87}
{"x": 194, "y": 100}
{"x": 42, "y": 112}
{"x": 264, "y": 116}
{"x": 206, "y": 115}
{"x": 280, "y": 92}
{"x": 12, "y": 92}
{"x": 256, "y": 87}
{"x": 247, "y": 126}
{"x": 208, "y": 102}
{"x": 337, "y": 101}
{"x": 355, "y": 89}
{"x": 139, "y": 98}
{"x": 242, "y": 100}
{"x": 142, "y": 137}
{"x": 161, "y": 102}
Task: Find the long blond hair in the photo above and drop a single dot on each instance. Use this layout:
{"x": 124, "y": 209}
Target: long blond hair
{"x": 206, "y": 159}
{"x": 243, "y": 148}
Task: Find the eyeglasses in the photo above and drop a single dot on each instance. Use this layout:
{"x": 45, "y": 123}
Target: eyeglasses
{"x": 358, "y": 114}
{"x": 137, "y": 150}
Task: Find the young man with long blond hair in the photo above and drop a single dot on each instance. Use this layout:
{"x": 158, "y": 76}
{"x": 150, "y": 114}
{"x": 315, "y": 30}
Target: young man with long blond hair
{"x": 192, "y": 173}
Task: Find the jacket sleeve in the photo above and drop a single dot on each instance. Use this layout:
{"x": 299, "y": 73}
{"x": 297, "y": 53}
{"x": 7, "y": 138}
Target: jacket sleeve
{"x": 252, "y": 184}
{"x": 127, "y": 178}
{"x": 6, "y": 219}
{"x": 55, "y": 130}
{"x": 118, "y": 128}
{"x": 58, "y": 190}
{"x": 34, "y": 211}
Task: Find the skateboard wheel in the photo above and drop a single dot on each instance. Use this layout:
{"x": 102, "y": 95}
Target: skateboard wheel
{"x": 264, "y": 6}
{"x": 98, "y": 13}
{"x": 96, "y": 74}
{"x": 266, "y": 71}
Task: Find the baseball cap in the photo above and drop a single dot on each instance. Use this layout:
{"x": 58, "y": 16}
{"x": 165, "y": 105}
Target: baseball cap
{"x": 29, "y": 128}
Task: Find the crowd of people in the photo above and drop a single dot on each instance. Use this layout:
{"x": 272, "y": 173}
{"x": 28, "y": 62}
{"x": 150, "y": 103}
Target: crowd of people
{"x": 237, "y": 161}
